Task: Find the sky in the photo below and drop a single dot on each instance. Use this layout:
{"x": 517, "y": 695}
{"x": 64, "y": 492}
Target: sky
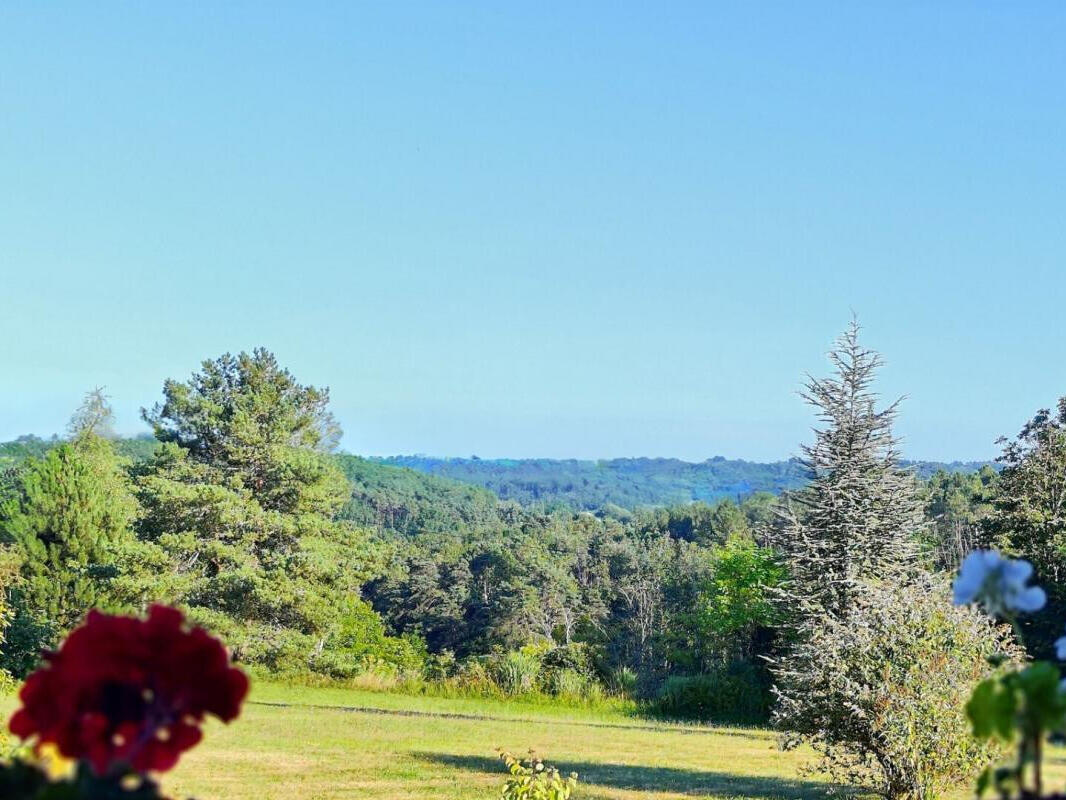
{"x": 539, "y": 229}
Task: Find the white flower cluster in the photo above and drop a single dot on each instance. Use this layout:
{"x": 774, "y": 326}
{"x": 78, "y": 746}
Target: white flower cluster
{"x": 998, "y": 583}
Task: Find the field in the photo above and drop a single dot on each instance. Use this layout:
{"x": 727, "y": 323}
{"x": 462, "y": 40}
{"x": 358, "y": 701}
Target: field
{"x": 328, "y": 744}
{"x": 397, "y": 747}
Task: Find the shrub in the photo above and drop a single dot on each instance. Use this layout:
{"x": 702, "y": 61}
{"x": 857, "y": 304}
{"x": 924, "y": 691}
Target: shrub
{"x": 575, "y": 657}
{"x": 532, "y": 779}
{"x": 361, "y": 644}
{"x": 441, "y": 666}
{"x": 740, "y": 693}
{"x": 885, "y": 701}
{"x": 474, "y": 676}
{"x": 593, "y": 692}
{"x": 569, "y": 683}
{"x": 623, "y": 682}
{"x": 516, "y": 671}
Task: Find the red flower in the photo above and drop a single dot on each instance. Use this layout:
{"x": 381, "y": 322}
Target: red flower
{"x": 124, "y": 692}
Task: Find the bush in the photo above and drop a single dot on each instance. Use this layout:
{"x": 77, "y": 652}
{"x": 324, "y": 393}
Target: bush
{"x": 361, "y": 644}
{"x": 440, "y": 667}
{"x": 575, "y": 657}
{"x": 569, "y": 683}
{"x": 474, "y": 676}
{"x": 739, "y": 694}
{"x": 623, "y": 682}
{"x": 516, "y": 671}
{"x": 532, "y": 779}
{"x": 884, "y": 702}
{"x": 568, "y": 672}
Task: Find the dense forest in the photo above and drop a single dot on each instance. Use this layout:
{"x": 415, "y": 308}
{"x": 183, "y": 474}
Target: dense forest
{"x": 632, "y": 482}
{"x": 571, "y": 578}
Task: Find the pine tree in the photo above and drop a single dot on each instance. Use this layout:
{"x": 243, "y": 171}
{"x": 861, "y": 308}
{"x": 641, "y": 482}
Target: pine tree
{"x": 239, "y": 503}
{"x": 858, "y": 517}
{"x": 854, "y": 524}
{"x": 65, "y": 520}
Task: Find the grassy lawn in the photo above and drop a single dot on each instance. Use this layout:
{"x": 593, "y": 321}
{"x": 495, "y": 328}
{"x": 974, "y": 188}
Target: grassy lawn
{"x": 413, "y": 747}
{"x": 320, "y": 744}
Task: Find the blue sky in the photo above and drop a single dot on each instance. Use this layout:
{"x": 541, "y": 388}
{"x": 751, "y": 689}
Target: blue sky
{"x": 535, "y": 229}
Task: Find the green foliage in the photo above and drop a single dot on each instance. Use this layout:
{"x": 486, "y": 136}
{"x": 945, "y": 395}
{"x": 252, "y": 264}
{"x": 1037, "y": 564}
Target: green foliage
{"x": 623, "y": 682}
{"x": 14, "y": 453}
{"x": 957, "y": 505}
{"x": 569, "y": 683}
{"x": 886, "y": 703}
{"x": 410, "y": 503}
{"x": 1029, "y": 516}
{"x": 625, "y": 482}
{"x": 1018, "y": 707}
{"x": 240, "y": 408}
{"x": 354, "y": 570}
{"x": 629, "y": 483}
{"x": 739, "y": 694}
{"x": 516, "y": 671}
{"x": 360, "y": 643}
{"x": 239, "y": 505}
{"x": 736, "y": 604}
{"x": 20, "y": 780}
{"x": 532, "y": 779}
{"x": 8, "y": 574}
{"x": 66, "y": 520}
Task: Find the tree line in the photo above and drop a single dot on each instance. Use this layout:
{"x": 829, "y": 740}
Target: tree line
{"x": 240, "y": 510}
{"x": 547, "y": 483}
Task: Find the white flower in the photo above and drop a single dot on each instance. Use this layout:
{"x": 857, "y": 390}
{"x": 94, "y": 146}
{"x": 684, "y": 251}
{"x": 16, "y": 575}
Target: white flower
{"x": 1060, "y": 649}
{"x": 973, "y": 573}
{"x": 998, "y": 583}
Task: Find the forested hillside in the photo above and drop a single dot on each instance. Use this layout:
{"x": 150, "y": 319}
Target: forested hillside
{"x": 630, "y": 482}
{"x": 650, "y": 578}
{"x": 425, "y": 493}
{"x": 409, "y": 502}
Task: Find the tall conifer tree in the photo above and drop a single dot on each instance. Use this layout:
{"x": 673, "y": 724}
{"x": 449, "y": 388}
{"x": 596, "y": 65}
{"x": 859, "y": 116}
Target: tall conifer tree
{"x": 858, "y": 517}
{"x": 855, "y": 524}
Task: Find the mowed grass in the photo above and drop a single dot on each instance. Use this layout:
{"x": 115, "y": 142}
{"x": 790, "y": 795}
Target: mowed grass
{"x": 295, "y": 743}
{"x": 397, "y": 746}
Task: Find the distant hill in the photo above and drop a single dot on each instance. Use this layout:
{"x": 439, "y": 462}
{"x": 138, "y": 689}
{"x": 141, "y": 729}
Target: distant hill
{"x": 628, "y": 482}
{"x": 135, "y": 448}
{"x": 410, "y": 502}
{"x": 389, "y": 498}
{"x": 408, "y": 493}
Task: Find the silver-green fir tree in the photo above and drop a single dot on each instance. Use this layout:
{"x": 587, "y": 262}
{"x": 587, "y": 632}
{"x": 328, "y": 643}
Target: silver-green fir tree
{"x": 875, "y": 664}
{"x": 856, "y": 521}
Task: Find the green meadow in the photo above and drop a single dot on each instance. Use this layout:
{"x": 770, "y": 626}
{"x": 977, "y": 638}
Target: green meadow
{"x": 333, "y": 743}
{"x": 322, "y": 744}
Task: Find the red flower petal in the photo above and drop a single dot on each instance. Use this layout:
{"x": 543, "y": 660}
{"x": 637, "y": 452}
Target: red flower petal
{"x": 123, "y": 691}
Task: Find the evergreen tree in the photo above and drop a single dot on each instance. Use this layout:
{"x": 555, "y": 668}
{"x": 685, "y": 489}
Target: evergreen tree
{"x": 876, "y": 660}
{"x": 858, "y": 518}
{"x": 66, "y": 519}
{"x": 853, "y": 524}
{"x": 1028, "y": 518}
{"x": 247, "y": 417}
{"x": 241, "y": 500}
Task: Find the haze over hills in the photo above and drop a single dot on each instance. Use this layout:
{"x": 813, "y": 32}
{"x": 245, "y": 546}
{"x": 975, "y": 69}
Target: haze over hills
{"x": 544, "y": 482}
{"x": 629, "y": 482}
